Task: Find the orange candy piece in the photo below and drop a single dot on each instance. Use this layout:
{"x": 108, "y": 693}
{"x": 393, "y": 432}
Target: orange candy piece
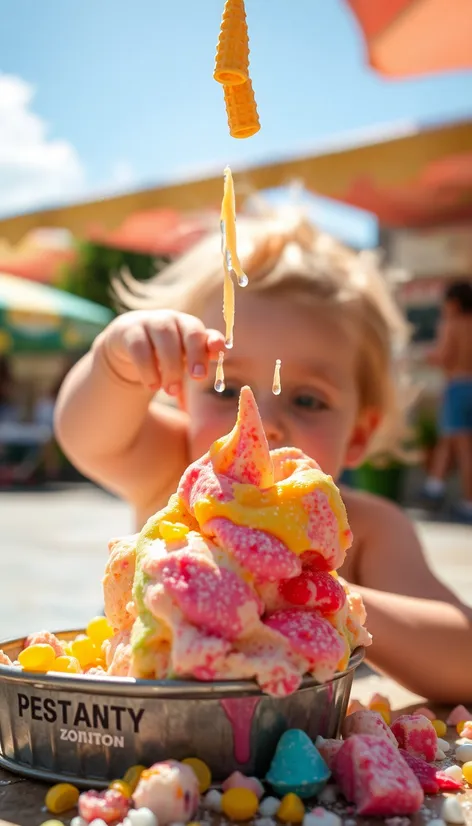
{"x": 241, "y": 110}
{"x": 232, "y": 51}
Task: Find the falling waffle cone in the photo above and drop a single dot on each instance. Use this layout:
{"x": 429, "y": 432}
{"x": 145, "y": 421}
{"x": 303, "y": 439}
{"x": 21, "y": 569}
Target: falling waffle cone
{"x": 241, "y": 110}
{"x": 232, "y": 51}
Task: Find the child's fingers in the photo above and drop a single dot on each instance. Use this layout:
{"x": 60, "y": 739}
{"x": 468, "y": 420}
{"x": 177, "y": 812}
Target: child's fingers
{"x": 215, "y": 343}
{"x": 141, "y": 354}
{"x": 194, "y": 343}
{"x": 168, "y": 352}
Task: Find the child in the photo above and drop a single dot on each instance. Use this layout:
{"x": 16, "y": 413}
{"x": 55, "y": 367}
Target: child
{"x": 327, "y": 315}
{"x": 453, "y": 353}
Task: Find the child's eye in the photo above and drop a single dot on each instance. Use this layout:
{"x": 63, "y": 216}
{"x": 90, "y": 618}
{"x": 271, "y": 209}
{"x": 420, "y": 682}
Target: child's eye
{"x": 310, "y": 402}
{"x": 230, "y": 392}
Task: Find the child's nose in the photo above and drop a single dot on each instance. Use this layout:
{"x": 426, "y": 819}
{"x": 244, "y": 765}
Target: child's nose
{"x": 272, "y": 421}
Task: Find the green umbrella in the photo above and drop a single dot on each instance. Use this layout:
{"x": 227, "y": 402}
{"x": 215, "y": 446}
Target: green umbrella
{"x": 35, "y": 318}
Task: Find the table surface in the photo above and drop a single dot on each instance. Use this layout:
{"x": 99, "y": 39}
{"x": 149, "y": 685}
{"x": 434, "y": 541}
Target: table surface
{"x": 22, "y": 801}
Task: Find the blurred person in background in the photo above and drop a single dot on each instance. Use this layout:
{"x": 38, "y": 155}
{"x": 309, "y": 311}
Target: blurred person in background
{"x": 453, "y": 354}
{"x": 8, "y": 405}
{"x": 43, "y": 460}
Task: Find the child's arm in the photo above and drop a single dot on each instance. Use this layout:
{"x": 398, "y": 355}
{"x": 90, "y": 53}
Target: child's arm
{"x": 104, "y": 420}
{"x": 422, "y": 633}
{"x": 443, "y": 350}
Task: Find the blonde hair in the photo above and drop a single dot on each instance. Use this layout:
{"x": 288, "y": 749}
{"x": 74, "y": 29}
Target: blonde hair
{"x": 295, "y": 259}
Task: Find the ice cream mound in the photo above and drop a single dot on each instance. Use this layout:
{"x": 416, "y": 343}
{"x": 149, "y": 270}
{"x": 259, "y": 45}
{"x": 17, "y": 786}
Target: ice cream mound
{"x": 236, "y": 577}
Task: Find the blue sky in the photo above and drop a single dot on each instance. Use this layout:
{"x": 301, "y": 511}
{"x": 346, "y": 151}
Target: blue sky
{"x": 120, "y": 94}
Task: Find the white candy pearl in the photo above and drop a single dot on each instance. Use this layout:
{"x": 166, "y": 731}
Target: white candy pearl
{"x": 78, "y": 821}
{"x": 436, "y": 821}
{"x": 443, "y": 745}
{"x": 264, "y": 821}
{"x": 452, "y": 811}
{"x": 321, "y": 817}
{"x": 269, "y": 806}
{"x": 212, "y": 800}
{"x": 439, "y": 754}
{"x": 455, "y": 772}
{"x": 140, "y": 817}
{"x": 464, "y": 753}
{"x": 97, "y": 822}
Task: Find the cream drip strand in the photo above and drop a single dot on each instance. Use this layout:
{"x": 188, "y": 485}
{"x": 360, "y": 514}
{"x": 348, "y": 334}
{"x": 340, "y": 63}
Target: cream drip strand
{"x": 276, "y": 385}
{"x": 220, "y": 374}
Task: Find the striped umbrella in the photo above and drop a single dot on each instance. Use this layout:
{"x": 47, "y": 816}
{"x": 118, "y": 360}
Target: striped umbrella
{"x": 36, "y": 318}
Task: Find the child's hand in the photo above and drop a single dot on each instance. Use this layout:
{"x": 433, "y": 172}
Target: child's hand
{"x": 157, "y": 347}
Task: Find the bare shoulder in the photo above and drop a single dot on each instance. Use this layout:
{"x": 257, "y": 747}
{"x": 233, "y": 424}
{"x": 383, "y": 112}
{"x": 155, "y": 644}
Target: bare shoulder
{"x": 368, "y": 513}
{"x": 384, "y": 542}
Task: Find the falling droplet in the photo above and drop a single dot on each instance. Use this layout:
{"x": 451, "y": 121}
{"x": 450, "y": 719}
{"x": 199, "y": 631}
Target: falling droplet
{"x": 276, "y": 385}
{"x": 229, "y": 343}
{"x": 220, "y": 375}
{"x": 243, "y": 280}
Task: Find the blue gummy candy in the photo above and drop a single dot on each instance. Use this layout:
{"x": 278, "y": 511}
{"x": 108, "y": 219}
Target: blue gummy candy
{"x": 297, "y": 766}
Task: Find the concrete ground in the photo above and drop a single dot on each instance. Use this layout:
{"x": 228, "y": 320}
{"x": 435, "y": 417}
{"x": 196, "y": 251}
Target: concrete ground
{"x": 54, "y": 550}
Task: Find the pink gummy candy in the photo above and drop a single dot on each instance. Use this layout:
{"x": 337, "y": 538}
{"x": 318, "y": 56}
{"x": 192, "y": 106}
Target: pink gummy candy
{"x": 210, "y": 597}
{"x": 260, "y": 553}
{"x": 109, "y": 806}
{"x": 416, "y": 735}
{"x": 372, "y": 774}
{"x": 432, "y": 781}
{"x": 314, "y": 589}
{"x": 425, "y": 772}
{"x": 313, "y": 638}
{"x": 448, "y": 784}
{"x": 426, "y": 712}
{"x": 366, "y": 721}
{"x": 458, "y": 715}
{"x": 45, "y": 638}
{"x": 328, "y": 748}
{"x": 240, "y": 781}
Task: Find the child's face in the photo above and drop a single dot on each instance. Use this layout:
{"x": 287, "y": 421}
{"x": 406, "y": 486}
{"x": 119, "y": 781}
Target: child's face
{"x": 318, "y": 409}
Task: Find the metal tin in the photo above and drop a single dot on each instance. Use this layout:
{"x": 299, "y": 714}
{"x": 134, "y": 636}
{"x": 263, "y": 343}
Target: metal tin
{"x": 88, "y": 731}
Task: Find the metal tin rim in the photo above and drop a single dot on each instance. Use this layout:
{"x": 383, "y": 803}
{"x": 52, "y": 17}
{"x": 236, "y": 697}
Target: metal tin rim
{"x": 132, "y": 687}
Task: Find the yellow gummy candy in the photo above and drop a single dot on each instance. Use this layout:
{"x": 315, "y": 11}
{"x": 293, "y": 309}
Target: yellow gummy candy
{"x": 52, "y": 823}
{"x": 202, "y": 772}
{"x": 66, "y": 665}
{"x": 383, "y": 710}
{"x": 439, "y": 727}
{"x": 99, "y": 630}
{"x": 84, "y": 651}
{"x": 38, "y": 657}
{"x": 467, "y": 771}
{"x": 61, "y": 797}
{"x": 121, "y": 786}
{"x": 291, "y": 809}
{"x": 460, "y": 726}
{"x": 132, "y": 776}
{"x": 239, "y": 804}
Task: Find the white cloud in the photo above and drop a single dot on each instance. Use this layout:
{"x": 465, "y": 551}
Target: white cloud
{"x": 35, "y": 170}
{"x": 122, "y": 174}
